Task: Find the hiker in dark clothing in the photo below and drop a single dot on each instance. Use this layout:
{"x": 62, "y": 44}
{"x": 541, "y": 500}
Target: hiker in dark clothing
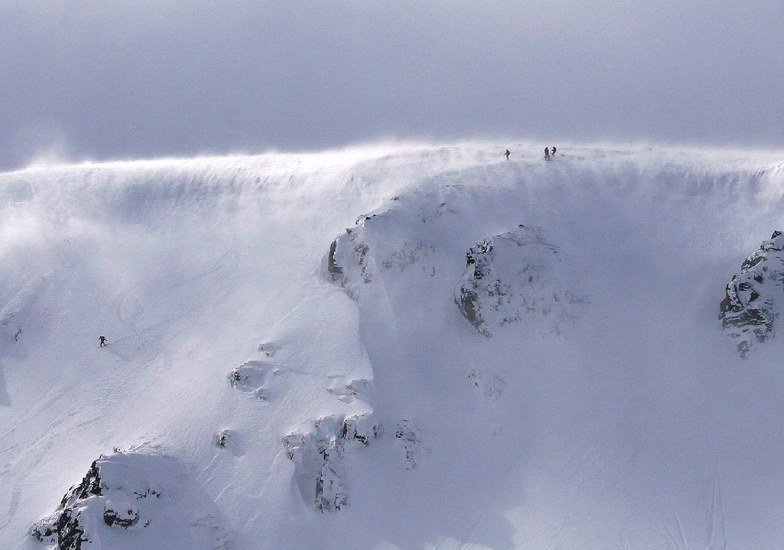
{"x": 101, "y": 341}
{"x": 553, "y": 150}
{"x": 507, "y": 154}
{"x": 546, "y": 153}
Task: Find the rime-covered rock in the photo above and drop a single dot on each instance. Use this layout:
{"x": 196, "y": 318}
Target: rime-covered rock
{"x": 318, "y": 455}
{"x": 394, "y": 240}
{"x": 513, "y": 277}
{"x": 753, "y": 296}
{"x": 140, "y": 490}
{"x": 351, "y": 251}
{"x": 361, "y": 428}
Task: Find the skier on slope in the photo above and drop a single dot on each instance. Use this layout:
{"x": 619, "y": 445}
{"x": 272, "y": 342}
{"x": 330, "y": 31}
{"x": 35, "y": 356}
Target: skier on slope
{"x": 101, "y": 341}
{"x": 507, "y": 154}
{"x": 546, "y": 153}
{"x": 553, "y": 153}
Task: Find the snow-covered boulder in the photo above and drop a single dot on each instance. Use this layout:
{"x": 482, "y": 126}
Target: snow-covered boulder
{"x": 318, "y": 456}
{"x": 511, "y": 277}
{"x": 360, "y": 429}
{"x": 753, "y": 296}
{"x": 140, "y": 490}
{"x": 347, "y": 261}
{"x": 395, "y": 240}
{"x": 351, "y": 389}
{"x": 261, "y": 379}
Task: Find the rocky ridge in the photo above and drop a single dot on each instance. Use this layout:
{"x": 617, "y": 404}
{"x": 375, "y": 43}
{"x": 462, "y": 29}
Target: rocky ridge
{"x": 749, "y": 309}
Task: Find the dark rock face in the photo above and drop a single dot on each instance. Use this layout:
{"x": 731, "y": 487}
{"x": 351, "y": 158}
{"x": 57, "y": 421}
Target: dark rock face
{"x": 335, "y": 271}
{"x": 511, "y": 277}
{"x": 318, "y": 455}
{"x": 391, "y": 242}
{"x": 66, "y": 526}
{"x": 749, "y": 309}
{"x": 351, "y": 251}
{"x": 140, "y": 495}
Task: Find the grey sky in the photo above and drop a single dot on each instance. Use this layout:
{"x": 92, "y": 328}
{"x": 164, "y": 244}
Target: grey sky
{"x": 120, "y": 79}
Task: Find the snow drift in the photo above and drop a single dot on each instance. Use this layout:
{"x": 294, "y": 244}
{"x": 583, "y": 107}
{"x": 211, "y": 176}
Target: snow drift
{"x": 393, "y": 347}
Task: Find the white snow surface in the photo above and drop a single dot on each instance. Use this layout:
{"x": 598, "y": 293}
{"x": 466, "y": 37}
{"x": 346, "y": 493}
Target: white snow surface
{"x": 634, "y": 425}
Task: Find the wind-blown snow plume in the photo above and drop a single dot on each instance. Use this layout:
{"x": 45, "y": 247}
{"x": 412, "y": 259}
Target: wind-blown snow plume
{"x": 296, "y": 334}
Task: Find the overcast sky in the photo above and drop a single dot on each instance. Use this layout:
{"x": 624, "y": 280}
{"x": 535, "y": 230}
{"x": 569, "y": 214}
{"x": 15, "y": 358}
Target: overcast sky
{"x": 126, "y": 79}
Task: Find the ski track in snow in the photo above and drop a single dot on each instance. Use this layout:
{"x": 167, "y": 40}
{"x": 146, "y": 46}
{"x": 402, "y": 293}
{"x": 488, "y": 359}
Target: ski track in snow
{"x": 629, "y": 428}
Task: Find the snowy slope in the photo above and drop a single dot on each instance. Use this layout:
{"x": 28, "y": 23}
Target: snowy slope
{"x": 293, "y": 361}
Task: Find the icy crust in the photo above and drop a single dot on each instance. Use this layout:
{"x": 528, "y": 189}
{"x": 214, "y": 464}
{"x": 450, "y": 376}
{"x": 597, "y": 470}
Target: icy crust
{"x": 137, "y": 490}
{"x": 750, "y": 307}
{"x": 511, "y": 277}
{"x": 318, "y": 456}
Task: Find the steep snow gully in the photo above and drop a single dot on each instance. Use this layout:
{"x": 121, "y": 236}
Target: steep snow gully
{"x": 403, "y": 346}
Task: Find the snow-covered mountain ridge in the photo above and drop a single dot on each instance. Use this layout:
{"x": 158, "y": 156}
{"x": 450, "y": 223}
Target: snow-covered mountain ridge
{"x": 389, "y": 347}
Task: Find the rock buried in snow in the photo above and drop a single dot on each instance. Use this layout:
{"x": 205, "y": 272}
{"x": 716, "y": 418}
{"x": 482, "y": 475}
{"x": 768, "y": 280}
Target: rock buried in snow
{"x": 349, "y": 390}
{"x": 258, "y": 378}
{"x": 511, "y": 277}
{"x": 222, "y": 438}
{"x": 269, "y": 349}
{"x": 318, "y": 455}
{"x": 750, "y": 306}
{"x": 409, "y": 441}
{"x": 491, "y": 386}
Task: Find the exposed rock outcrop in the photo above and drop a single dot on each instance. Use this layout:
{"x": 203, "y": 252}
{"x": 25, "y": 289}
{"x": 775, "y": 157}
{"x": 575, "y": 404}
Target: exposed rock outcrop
{"x": 351, "y": 251}
{"x": 392, "y": 240}
{"x": 68, "y": 526}
{"x": 318, "y": 455}
{"x": 750, "y": 307}
{"x": 104, "y": 493}
{"x": 141, "y": 490}
{"x": 511, "y": 277}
